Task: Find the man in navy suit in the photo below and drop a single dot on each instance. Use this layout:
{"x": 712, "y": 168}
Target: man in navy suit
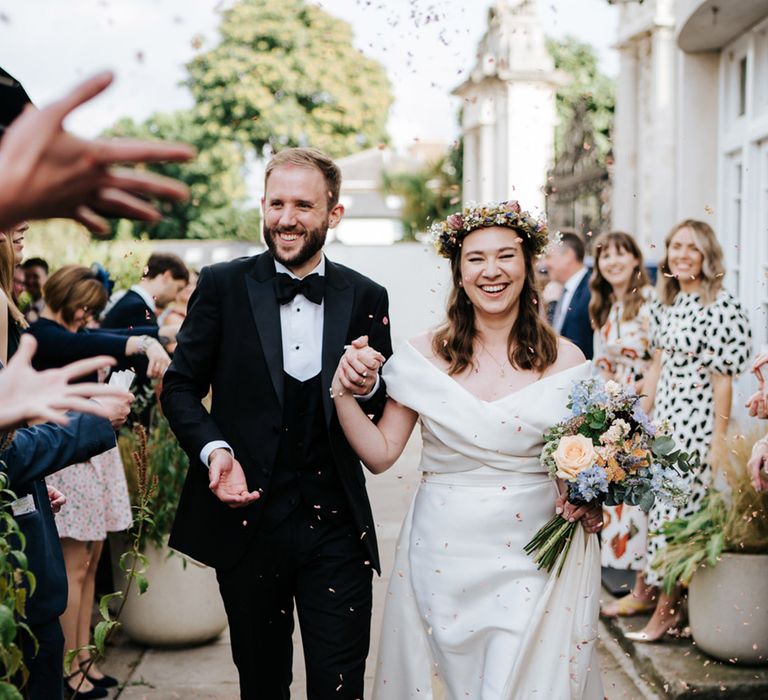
{"x": 30, "y": 455}
{"x": 565, "y": 264}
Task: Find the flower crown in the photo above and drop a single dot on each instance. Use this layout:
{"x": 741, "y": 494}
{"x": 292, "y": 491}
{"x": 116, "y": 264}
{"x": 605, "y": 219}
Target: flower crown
{"x": 447, "y": 235}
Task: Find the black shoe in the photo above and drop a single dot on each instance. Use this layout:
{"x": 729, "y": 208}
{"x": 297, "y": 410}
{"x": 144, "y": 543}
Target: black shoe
{"x": 92, "y": 694}
{"x": 104, "y": 682}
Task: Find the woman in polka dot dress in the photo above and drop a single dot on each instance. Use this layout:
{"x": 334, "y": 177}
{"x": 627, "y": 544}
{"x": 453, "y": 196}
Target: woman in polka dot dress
{"x": 701, "y": 340}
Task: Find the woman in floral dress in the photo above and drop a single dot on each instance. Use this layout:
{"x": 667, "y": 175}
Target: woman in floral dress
{"x": 620, "y": 309}
{"x": 701, "y": 340}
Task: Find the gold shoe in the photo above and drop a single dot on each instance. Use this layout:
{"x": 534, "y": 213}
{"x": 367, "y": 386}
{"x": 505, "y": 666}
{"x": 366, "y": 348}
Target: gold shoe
{"x": 630, "y": 605}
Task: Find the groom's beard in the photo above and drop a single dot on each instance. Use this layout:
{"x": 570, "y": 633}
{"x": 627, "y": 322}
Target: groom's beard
{"x": 313, "y": 242}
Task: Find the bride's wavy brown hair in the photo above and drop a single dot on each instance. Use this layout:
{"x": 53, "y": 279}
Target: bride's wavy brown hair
{"x": 532, "y": 344}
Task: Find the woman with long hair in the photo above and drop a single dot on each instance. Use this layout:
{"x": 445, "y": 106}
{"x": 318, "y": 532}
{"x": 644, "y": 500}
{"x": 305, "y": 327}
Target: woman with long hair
{"x": 467, "y": 611}
{"x": 96, "y": 490}
{"x": 701, "y": 340}
{"x": 620, "y": 310}
{"x": 12, "y": 321}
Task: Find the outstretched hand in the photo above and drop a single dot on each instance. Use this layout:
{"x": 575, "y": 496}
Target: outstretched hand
{"x": 359, "y": 367}
{"x": 227, "y": 480}
{"x": 758, "y": 465}
{"x": 591, "y": 515}
{"x": 28, "y": 395}
{"x": 758, "y": 402}
{"x": 47, "y": 172}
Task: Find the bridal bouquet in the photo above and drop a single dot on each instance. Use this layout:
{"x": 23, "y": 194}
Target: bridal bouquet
{"x": 608, "y": 452}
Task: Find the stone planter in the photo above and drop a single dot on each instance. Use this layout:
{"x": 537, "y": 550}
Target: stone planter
{"x": 182, "y": 606}
{"x": 728, "y": 609}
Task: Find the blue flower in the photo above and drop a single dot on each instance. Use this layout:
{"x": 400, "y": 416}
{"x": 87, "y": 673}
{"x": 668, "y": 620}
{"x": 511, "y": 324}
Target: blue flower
{"x": 589, "y": 484}
{"x": 642, "y": 419}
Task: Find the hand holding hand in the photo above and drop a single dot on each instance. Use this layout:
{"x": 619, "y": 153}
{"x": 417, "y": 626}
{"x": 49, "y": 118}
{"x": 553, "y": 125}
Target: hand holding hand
{"x": 359, "y": 367}
{"x": 758, "y": 465}
{"x": 591, "y": 515}
{"x": 57, "y": 498}
{"x": 227, "y": 480}
{"x": 28, "y": 395}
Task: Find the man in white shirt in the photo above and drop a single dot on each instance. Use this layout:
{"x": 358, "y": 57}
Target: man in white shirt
{"x": 275, "y": 497}
{"x": 565, "y": 264}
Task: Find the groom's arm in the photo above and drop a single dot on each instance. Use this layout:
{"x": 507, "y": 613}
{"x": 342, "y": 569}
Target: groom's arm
{"x": 379, "y": 338}
{"x": 188, "y": 379}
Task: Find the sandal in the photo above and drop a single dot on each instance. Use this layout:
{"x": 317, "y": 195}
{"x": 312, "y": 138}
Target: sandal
{"x": 628, "y": 606}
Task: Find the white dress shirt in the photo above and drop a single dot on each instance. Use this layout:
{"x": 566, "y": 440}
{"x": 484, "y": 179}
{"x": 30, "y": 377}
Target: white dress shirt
{"x": 569, "y": 289}
{"x": 146, "y": 296}
{"x": 301, "y": 324}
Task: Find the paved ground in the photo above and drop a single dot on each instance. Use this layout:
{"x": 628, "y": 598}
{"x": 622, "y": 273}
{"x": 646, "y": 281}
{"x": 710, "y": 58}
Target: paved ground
{"x": 208, "y": 672}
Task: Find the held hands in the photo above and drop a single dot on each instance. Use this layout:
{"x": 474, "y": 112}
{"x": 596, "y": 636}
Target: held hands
{"x": 591, "y": 516}
{"x": 47, "y": 172}
{"x": 57, "y": 498}
{"x": 227, "y": 480}
{"x": 758, "y": 465}
{"x": 758, "y": 402}
{"x": 358, "y": 368}
{"x": 28, "y": 395}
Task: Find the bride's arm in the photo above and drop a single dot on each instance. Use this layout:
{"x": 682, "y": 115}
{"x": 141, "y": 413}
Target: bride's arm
{"x": 377, "y": 444}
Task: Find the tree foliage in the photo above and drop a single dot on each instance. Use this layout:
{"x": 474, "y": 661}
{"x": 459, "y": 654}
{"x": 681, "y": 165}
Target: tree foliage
{"x": 589, "y": 93}
{"x": 214, "y": 177}
{"x": 285, "y": 73}
{"x": 429, "y": 194}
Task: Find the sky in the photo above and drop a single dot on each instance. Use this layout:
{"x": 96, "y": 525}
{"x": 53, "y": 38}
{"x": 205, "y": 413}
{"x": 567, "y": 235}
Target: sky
{"x": 426, "y": 46}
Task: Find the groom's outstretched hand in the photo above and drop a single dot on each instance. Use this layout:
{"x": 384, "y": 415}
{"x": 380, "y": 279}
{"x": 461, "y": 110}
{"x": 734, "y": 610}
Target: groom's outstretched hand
{"x": 227, "y": 480}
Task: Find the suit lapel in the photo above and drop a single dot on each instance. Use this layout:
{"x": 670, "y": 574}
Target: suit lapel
{"x": 339, "y": 298}
{"x": 260, "y": 283}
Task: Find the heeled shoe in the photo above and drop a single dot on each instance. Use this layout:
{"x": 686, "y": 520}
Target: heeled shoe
{"x": 642, "y": 637}
{"x": 629, "y": 606}
{"x": 104, "y": 682}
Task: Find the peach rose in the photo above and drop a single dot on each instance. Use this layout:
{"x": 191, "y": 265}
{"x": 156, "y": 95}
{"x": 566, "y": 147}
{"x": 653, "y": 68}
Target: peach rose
{"x": 574, "y": 454}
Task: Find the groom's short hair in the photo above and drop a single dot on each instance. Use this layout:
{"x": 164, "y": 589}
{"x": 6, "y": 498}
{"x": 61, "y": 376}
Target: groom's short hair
{"x": 309, "y": 158}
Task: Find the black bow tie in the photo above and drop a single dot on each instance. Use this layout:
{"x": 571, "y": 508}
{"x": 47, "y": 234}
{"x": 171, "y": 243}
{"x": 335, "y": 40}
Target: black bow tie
{"x": 312, "y": 287}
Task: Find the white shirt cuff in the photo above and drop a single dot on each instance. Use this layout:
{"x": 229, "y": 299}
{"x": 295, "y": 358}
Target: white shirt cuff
{"x": 371, "y": 392}
{"x": 205, "y": 453}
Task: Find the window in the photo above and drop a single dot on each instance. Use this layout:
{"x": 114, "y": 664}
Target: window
{"x": 742, "y": 101}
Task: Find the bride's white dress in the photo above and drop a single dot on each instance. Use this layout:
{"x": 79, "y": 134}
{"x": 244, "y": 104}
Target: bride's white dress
{"x": 467, "y": 614}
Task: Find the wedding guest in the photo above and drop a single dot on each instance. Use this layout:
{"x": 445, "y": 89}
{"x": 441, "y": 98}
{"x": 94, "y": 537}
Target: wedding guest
{"x": 565, "y": 263}
{"x": 174, "y": 314}
{"x": 35, "y": 276}
{"x": 12, "y": 321}
{"x": 97, "y": 491}
{"x": 620, "y": 309}
{"x": 46, "y": 172}
{"x": 758, "y": 402}
{"x": 701, "y": 339}
{"x": 18, "y": 282}
{"x": 758, "y": 407}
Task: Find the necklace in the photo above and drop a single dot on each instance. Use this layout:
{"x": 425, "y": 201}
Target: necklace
{"x": 500, "y": 365}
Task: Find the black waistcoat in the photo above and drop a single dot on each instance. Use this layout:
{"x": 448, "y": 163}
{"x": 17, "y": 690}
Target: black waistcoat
{"x": 304, "y": 474}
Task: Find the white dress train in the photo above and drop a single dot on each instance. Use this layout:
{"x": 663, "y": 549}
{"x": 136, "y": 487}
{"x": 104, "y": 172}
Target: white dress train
{"x": 468, "y": 615}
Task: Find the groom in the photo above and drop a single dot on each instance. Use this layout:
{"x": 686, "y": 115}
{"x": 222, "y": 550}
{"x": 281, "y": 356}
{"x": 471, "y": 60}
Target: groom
{"x": 275, "y": 497}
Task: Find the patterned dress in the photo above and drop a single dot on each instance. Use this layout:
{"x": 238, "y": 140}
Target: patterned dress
{"x": 697, "y": 341}
{"x": 623, "y": 353}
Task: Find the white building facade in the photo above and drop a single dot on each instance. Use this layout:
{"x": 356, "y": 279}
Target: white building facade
{"x": 691, "y": 132}
{"x": 509, "y": 117}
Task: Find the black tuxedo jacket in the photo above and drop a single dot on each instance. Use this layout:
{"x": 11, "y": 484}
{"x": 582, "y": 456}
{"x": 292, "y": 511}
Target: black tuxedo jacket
{"x": 131, "y": 310}
{"x": 576, "y": 325}
{"x": 231, "y": 342}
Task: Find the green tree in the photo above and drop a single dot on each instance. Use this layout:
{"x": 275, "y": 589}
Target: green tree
{"x": 215, "y": 180}
{"x": 285, "y": 73}
{"x": 588, "y": 93}
{"x": 429, "y": 194}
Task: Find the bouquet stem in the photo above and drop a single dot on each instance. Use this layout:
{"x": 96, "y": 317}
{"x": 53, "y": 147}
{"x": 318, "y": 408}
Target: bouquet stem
{"x": 550, "y": 541}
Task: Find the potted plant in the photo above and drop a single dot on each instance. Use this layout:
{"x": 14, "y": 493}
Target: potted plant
{"x": 721, "y": 553}
{"x": 181, "y": 605}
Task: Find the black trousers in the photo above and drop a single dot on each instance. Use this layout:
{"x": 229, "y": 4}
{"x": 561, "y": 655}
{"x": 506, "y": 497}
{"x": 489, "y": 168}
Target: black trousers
{"x": 46, "y": 677}
{"x": 322, "y": 567}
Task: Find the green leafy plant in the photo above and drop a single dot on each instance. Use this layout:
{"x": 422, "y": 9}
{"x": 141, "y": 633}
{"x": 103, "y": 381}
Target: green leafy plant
{"x": 731, "y": 520}
{"x": 17, "y": 582}
{"x": 165, "y": 467}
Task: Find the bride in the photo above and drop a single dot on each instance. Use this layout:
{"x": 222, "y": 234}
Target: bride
{"x": 468, "y": 615}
